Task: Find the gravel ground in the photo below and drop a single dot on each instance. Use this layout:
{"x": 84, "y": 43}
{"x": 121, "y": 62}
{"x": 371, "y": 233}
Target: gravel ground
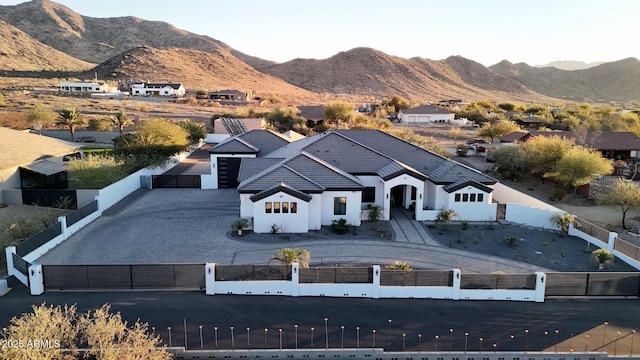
{"x": 535, "y": 246}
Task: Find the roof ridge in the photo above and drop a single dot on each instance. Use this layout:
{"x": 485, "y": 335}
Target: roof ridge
{"x": 329, "y": 166}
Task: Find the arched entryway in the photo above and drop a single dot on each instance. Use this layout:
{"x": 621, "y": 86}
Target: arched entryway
{"x": 404, "y": 197}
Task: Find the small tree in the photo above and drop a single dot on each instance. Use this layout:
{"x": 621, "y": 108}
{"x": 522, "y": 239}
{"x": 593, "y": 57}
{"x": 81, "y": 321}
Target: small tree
{"x": 340, "y": 226}
{"x": 40, "y": 116}
{"x": 71, "y": 118}
{"x": 121, "y": 121}
{"x": 445, "y": 216}
{"x": 603, "y": 257}
{"x": 562, "y": 222}
{"x": 498, "y": 129}
{"x": 623, "y": 194}
{"x": 197, "y": 131}
{"x": 289, "y": 256}
{"x": 579, "y": 165}
{"x": 375, "y": 213}
{"x": 239, "y": 224}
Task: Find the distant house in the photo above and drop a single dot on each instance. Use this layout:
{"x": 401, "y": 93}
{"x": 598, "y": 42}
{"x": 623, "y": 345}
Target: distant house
{"x": 229, "y": 95}
{"x": 302, "y": 185}
{"x": 150, "y": 89}
{"x": 425, "y": 114}
{"x": 85, "y": 87}
{"x": 515, "y": 137}
{"x": 530, "y": 122}
{"x": 313, "y": 113}
{"x": 234, "y": 126}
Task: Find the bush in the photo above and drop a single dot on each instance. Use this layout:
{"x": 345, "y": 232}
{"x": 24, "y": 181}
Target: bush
{"x": 95, "y": 172}
{"x": 197, "y": 131}
{"x": 100, "y": 124}
{"x": 339, "y": 226}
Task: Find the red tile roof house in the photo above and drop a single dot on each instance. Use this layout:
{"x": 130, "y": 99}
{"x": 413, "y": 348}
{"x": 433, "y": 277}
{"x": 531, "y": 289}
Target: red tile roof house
{"x": 302, "y": 185}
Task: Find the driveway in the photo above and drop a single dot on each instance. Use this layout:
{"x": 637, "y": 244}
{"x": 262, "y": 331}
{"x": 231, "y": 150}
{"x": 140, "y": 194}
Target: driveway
{"x": 193, "y": 226}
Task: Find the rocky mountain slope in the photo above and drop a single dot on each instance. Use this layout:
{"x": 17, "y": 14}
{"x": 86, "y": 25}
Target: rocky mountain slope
{"x": 133, "y": 48}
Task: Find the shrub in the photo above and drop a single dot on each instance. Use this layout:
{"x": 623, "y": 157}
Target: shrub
{"x": 512, "y": 241}
{"x": 398, "y": 265}
{"x": 339, "y": 226}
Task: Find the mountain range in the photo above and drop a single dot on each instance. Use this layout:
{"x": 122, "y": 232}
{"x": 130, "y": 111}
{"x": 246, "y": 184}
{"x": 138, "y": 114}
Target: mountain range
{"x": 41, "y": 36}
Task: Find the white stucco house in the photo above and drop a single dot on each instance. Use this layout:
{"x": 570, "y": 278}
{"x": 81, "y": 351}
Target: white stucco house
{"x": 301, "y": 185}
{"x": 425, "y": 114}
{"x": 85, "y": 87}
{"x": 150, "y": 89}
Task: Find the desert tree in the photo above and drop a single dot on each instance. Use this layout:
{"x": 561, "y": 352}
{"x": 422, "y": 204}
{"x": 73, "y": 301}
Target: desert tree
{"x": 338, "y": 111}
{"x": 563, "y": 222}
{"x": 624, "y": 195}
{"x": 579, "y": 166}
{"x": 498, "y": 129}
{"x": 40, "y": 116}
{"x": 197, "y": 131}
{"x": 399, "y": 103}
{"x": 543, "y": 153}
{"x": 71, "y": 118}
{"x": 510, "y": 161}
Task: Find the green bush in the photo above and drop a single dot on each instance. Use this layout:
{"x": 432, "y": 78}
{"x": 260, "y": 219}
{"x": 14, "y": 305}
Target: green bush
{"x": 339, "y": 226}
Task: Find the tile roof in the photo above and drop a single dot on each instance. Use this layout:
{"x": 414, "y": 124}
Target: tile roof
{"x": 462, "y": 183}
{"x": 20, "y": 147}
{"x": 426, "y": 109}
{"x": 251, "y": 166}
{"x": 234, "y": 145}
{"x": 515, "y": 136}
{"x": 452, "y": 171}
{"x": 258, "y": 141}
{"x": 45, "y": 167}
{"x": 282, "y": 187}
{"x": 330, "y": 177}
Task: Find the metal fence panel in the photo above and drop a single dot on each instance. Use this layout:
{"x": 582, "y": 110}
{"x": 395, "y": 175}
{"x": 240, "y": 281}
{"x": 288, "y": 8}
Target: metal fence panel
{"x": 613, "y": 284}
{"x": 63, "y": 277}
{"x": 234, "y": 272}
{"x": 152, "y": 276}
{"x": 479, "y": 281}
{"x": 317, "y": 275}
{"x": 81, "y": 213}
{"x": 38, "y": 239}
{"x": 189, "y": 276}
{"x": 109, "y": 276}
{"x": 21, "y": 264}
{"x": 397, "y": 278}
{"x": 434, "y": 278}
{"x": 627, "y": 248}
{"x": 354, "y": 275}
{"x": 516, "y": 282}
{"x": 593, "y": 230}
{"x": 271, "y": 272}
{"x": 176, "y": 181}
{"x": 566, "y": 284}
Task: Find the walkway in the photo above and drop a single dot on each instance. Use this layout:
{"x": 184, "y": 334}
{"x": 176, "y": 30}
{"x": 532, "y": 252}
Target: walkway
{"x": 409, "y": 231}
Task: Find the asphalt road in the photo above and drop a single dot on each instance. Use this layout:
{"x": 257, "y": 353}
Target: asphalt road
{"x": 494, "y": 321}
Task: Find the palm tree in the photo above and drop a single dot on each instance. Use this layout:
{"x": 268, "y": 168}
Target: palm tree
{"x": 71, "y": 118}
{"x": 121, "y": 120}
{"x": 562, "y": 222}
{"x": 289, "y": 256}
{"x": 603, "y": 257}
{"x": 445, "y": 216}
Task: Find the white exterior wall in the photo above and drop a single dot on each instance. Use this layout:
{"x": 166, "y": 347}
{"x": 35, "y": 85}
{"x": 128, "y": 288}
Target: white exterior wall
{"x": 315, "y": 212}
{"x": 427, "y": 118}
{"x": 85, "y": 87}
{"x": 378, "y": 183}
{"x": 473, "y": 211}
{"x": 246, "y": 206}
{"x": 353, "y": 207}
{"x": 430, "y": 198}
{"x": 441, "y": 198}
{"x": 9, "y": 180}
{"x": 286, "y": 222}
{"x": 211, "y": 181}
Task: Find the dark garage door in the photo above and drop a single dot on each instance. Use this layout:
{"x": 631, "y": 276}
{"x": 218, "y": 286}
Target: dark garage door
{"x": 228, "y": 169}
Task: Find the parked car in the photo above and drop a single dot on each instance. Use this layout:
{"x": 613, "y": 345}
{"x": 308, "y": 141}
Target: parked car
{"x": 477, "y": 141}
{"x": 87, "y": 139}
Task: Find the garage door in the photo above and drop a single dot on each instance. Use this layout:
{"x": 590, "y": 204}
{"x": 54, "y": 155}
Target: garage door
{"x": 228, "y": 169}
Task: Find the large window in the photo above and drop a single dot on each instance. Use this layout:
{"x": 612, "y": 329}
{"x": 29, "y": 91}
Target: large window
{"x": 339, "y": 206}
{"x": 267, "y": 207}
{"x": 276, "y": 207}
{"x": 285, "y": 207}
{"x": 369, "y": 194}
{"x": 294, "y": 207}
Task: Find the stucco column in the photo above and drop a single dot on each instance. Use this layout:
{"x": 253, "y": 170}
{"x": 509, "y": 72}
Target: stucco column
{"x": 455, "y": 289}
{"x": 210, "y": 278}
{"x": 375, "y": 286}
{"x": 541, "y": 284}
{"x": 36, "y": 279}
{"x": 295, "y": 279}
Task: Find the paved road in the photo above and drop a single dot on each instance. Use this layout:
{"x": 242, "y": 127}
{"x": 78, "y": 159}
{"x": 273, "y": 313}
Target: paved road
{"x": 493, "y": 321}
{"x": 192, "y": 226}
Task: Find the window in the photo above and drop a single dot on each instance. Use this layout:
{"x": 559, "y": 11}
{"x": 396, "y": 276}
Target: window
{"x": 339, "y": 206}
{"x": 369, "y": 194}
{"x": 480, "y": 197}
{"x": 285, "y": 207}
{"x": 457, "y": 198}
{"x": 267, "y": 207}
{"x": 465, "y": 197}
{"x": 294, "y": 207}
{"x": 472, "y": 197}
{"x": 276, "y": 208}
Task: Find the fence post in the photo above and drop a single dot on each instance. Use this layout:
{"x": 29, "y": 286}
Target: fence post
{"x": 541, "y": 285}
{"x": 295, "y": 279}
{"x": 210, "y": 278}
{"x": 375, "y": 287}
{"x": 63, "y": 226}
{"x": 36, "y": 279}
{"x": 611, "y": 242}
{"x": 455, "y": 290}
{"x": 9, "y": 251}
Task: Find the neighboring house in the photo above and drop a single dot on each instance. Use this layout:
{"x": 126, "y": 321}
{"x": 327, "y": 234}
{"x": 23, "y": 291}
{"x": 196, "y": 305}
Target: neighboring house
{"x": 305, "y": 184}
{"x": 425, "y": 114}
{"x": 85, "y": 87}
{"x": 229, "y": 95}
{"x": 515, "y": 137}
{"x": 149, "y": 89}
{"x": 234, "y": 126}
{"x": 530, "y": 122}
{"x": 32, "y": 154}
{"x": 313, "y": 113}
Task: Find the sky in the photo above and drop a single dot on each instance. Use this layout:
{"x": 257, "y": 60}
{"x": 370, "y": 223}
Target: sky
{"x": 486, "y": 31}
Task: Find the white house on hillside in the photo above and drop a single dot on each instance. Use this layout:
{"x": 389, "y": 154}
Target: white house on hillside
{"x": 85, "y": 87}
{"x": 148, "y": 89}
{"x": 301, "y": 185}
{"x": 425, "y": 114}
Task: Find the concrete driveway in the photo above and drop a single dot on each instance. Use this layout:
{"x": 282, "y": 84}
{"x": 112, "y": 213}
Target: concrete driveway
{"x": 193, "y": 226}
